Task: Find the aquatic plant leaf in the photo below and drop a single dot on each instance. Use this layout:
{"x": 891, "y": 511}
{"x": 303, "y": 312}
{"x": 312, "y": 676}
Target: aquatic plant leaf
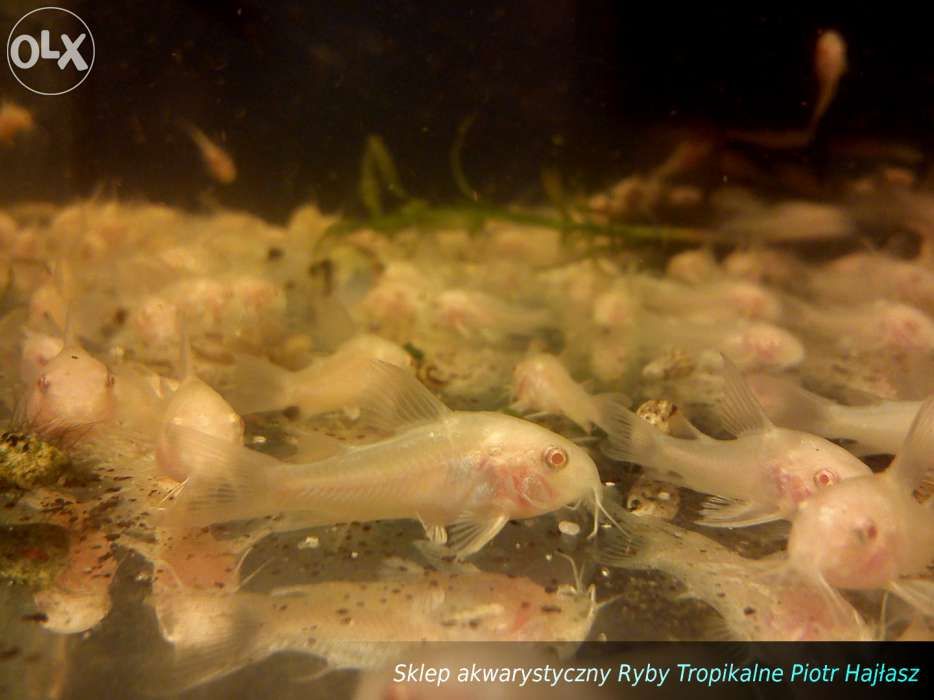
{"x": 457, "y": 165}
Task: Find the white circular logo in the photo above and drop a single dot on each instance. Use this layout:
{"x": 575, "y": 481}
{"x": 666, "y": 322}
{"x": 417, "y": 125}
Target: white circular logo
{"x": 50, "y": 51}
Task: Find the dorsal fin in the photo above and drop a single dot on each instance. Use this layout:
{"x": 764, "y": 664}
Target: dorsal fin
{"x": 913, "y": 466}
{"x": 395, "y": 399}
{"x": 739, "y": 410}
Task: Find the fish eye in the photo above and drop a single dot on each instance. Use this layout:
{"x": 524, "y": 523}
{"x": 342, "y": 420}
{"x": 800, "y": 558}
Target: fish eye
{"x": 824, "y": 478}
{"x": 555, "y": 457}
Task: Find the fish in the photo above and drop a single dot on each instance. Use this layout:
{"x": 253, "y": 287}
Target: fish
{"x": 194, "y": 405}
{"x": 541, "y": 383}
{"x": 878, "y": 428}
{"x": 829, "y": 66}
{"x": 793, "y": 220}
{"x": 878, "y": 325}
{"x": 14, "y": 120}
{"x": 362, "y": 624}
{"x": 871, "y": 532}
{"x": 708, "y": 301}
{"x": 73, "y": 392}
{"x": 218, "y": 162}
{"x": 333, "y": 383}
{"x": 469, "y": 472}
{"x": 754, "y": 605}
{"x": 475, "y": 313}
{"x": 762, "y": 475}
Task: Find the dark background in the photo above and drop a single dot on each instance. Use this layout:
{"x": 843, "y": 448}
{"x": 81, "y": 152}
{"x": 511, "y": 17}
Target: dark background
{"x": 292, "y": 89}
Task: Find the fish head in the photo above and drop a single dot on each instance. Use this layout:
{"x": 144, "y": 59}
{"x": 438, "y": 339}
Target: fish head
{"x": 536, "y": 471}
{"x": 810, "y": 467}
{"x": 848, "y": 534}
{"x": 196, "y": 406}
{"x": 74, "y": 389}
{"x": 763, "y": 346}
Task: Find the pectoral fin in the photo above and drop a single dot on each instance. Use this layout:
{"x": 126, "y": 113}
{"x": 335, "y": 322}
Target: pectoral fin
{"x": 919, "y": 593}
{"x": 470, "y": 533}
{"x": 717, "y": 511}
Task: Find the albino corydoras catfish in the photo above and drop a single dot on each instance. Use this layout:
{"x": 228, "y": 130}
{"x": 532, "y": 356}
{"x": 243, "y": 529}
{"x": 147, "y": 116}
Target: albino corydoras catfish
{"x": 762, "y": 475}
{"x": 878, "y": 428}
{"x": 472, "y": 471}
{"x": 363, "y": 624}
{"x": 872, "y": 532}
{"x": 755, "y": 605}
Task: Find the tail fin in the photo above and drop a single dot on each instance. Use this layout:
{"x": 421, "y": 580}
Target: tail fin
{"x": 258, "y": 385}
{"x": 228, "y": 482}
{"x": 224, "y": 642}
{"x": 630, "y": 439}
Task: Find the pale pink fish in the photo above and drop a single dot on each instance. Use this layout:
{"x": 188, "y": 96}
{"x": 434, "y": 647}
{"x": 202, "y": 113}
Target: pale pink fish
{"x": 14, "y": 120}
{"x": 38, "y": 350}
{"x": 872, "y": 276}
{"x": 73, "y": 392}
{"x": 79, "y": 597}
{"x": 362, "y": 624}
{"x": 789, "y": 221}
{"x": 695, "y": 266}
{"x": 473, "y": 313}
{"x": 871, "y": 532}
{"x": 750, "y": 345}
{"x": 755, "y": 605}
{"x": 878, "y": 325}
{"x": 709, "y": 301}
{"x": 196, "y": 406}
{"x": 333, "y": 383}
{"x": 829, "y": 67}
{"x": 541, "y": 383}
{"x": 216, "y": 160}
{"x": 878, "y": 428}
{"x": 469, "y": 471}
{"x": 763, "y": 475}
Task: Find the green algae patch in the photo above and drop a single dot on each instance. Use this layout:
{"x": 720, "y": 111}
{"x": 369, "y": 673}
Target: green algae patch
{"x": 28, "y": 462}
{"x": 32, "y": 555}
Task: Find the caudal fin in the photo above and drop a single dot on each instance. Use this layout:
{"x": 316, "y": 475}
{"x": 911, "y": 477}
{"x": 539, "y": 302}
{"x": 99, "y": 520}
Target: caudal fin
{"x": 227, "y": 482}
{"x": 629, "y": 438}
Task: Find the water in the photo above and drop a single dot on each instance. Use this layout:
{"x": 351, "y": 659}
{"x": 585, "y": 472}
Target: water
{"x": 471, "y": 185}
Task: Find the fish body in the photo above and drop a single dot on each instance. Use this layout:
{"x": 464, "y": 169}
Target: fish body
{"x": 762, "y": 475}
{"x": 877, "y": 428}
{"x": 541, "y": 383}
{"x": 871, "y": 532}
{"x": 334, "y": 383}
{"x": 197, "y": 406}
{"x": 754, "y": 605}
{"x": 363, "y": 624}
{"x": 73, "y": 391}
{"x": 217, "y": 161}
{"x": 472, "y": 471}
{"x": 14, "y": 120}
{"x": 472, "y": 313}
